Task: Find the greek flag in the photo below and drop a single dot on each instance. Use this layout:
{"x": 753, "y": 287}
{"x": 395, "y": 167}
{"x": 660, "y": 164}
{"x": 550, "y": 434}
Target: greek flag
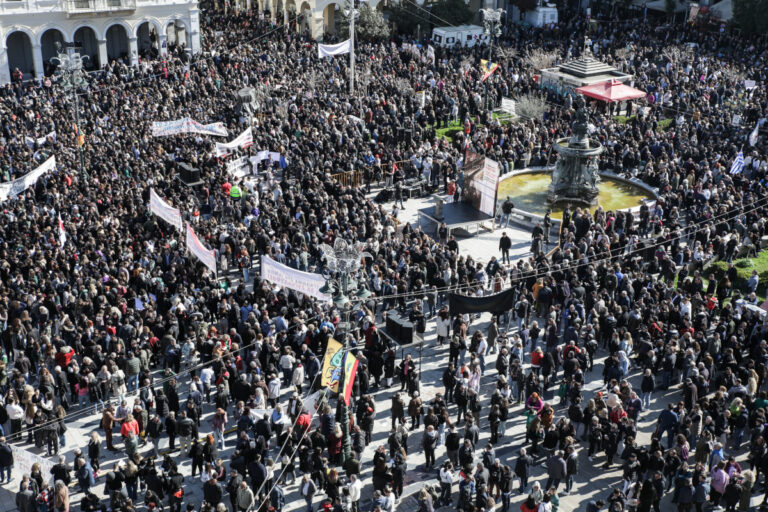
{"x": 753, "y": 136}
{"x": 738, "y": 164}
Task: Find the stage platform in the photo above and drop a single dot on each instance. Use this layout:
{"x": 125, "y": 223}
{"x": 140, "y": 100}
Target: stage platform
{"x": 457, "y": 216}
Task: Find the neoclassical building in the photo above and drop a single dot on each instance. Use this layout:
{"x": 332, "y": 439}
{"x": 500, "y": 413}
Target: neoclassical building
{"x": 106, "y": 30}
{"x": 319, "y": 16}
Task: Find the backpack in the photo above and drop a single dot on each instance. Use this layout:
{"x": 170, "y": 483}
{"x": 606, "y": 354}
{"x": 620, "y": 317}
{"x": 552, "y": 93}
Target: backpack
{"x": 277, "y": 497}
{"x": 488, "y": 459}
{"x": 465, "y": 496}
{"x": 596, "y": 436}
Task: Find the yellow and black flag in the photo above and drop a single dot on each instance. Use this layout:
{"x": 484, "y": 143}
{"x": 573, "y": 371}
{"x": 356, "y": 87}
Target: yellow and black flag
{"x": 487, "y": 67}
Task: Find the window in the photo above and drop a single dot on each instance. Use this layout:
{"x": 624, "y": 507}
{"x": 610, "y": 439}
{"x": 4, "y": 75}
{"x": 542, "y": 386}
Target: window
{"x": 438, "y": 39}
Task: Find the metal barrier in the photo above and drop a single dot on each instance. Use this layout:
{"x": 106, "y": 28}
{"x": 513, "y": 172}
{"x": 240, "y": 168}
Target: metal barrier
{"x": 352, "y": 179}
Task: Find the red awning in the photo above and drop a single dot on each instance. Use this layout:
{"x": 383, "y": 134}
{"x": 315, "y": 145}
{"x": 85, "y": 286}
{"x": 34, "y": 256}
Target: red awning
{"x": 612, "y": 90}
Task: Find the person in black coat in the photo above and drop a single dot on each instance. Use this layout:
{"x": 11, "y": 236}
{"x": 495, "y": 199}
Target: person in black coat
{"x": 196, "y": 454}
{"x": 173, "y": 399}
{"x": 212, "y": 492}
{"x": 162, "y": 407}
{"x": 210, "y": 452}
{"x": 6, "y": 460}
{"x": 258, "y": 474}
{"x": 648, "y": 496}
{"x": 62, "y": 471}
{"x": 174, "y": 486}
{"x": 523, "y": 469}
{"x": 171, "y": 428}
{"x": 232, "y": 485}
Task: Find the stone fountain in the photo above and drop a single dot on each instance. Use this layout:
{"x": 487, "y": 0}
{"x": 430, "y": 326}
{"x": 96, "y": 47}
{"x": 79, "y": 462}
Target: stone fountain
{"x": 575, "y": 177}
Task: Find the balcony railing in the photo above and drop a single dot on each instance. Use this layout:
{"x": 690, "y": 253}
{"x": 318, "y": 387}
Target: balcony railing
{"x": 75, "y": 7}
{"x": 83, "y": 6}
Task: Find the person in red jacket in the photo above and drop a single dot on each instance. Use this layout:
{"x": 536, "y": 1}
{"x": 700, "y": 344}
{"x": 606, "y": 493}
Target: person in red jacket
{"x": 64, "y": 356}
{"x": 529, "y": 505}
{"x": 129, "y": 425}
{"x": 304, "y": 420}
{"x": 536, "y": 357}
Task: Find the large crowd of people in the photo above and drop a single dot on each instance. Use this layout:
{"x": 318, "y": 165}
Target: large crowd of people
{"x": 120, "y": 323}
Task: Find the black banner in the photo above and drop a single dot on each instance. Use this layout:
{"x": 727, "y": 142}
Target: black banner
{"x": 498, "y": 303}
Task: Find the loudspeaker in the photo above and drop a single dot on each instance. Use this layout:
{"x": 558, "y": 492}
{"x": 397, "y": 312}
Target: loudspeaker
{"x": 406, "y": 333}
{"x": 383, "y": 196}
{"x": 393, "y": 326}
{"x": 189, "y": 174}
{"x": 399, "y": 328}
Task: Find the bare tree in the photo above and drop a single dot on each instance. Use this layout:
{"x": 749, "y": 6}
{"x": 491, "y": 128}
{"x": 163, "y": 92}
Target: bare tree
{"x": 539, "y": 58}
{"x": 365, "y": 78}
{"x": 531, "y": 106}
{"x": 312, "y": 82}
{"x": 403, "y": 84}
{"x": 506, "y": 52}
{"x": 677, "y": 54}
{"x": 466, "y": 64}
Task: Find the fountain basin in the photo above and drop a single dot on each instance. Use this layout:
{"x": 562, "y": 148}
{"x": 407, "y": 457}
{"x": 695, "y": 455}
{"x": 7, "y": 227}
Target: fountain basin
{"x": 528, "y": 191}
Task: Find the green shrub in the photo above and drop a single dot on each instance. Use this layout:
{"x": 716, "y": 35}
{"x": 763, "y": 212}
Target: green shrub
{"x": 449, "y": 133}
{"x": 744, "y": 268}
{"x": 623, "y": 119}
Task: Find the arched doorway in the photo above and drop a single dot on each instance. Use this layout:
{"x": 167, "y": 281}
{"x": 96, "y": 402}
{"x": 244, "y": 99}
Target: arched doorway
{"x": 20, "y": 54}
{"x": 86, "y": 38}
{"x": 290, "y": 8}
{"x": 176, "y": 33}
{"x": 147, "y": 40}
{"x": 306, "y": 17}
{"x": 50, "y": 42}
{"x": 118, "y": 47}
{"x": 330, "y": 13}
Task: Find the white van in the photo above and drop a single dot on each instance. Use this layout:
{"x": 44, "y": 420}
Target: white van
{"x": 465, "y": 35}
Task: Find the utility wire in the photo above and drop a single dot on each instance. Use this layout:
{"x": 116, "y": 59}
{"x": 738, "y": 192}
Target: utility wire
{"x": 536, "y": 275}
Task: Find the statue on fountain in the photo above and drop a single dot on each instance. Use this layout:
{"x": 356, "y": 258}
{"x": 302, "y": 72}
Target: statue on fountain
{"x": 575, "y": 177}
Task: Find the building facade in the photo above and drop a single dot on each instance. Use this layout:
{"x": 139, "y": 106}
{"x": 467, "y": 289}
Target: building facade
{"x": 105, "y": 30}
{"x": 317, "y": 16}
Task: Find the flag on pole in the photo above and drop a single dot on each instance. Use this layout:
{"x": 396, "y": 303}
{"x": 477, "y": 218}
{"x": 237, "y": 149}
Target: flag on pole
{"x": 62, "y": 233}
{"x": 331, "y": 372}
{"x": 738, "y": 164}
{"x": 350, "y": 371}
{"x": 79, "y": 136}
{"x": 753, "y": 136}
{"x": 488, "y": 68}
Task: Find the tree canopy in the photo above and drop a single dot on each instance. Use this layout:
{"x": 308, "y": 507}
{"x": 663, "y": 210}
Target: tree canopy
{"x": 751, "y": 15}
{"x": 370, "y": 24}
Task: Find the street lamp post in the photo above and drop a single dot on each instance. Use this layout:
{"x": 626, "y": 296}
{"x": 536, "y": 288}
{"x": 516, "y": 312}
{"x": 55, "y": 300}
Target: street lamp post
{"x": 492, "y": 25}
{"x": 353, "y": 13}
{"x": 72, "y": 78}
{"x": 342, "y": 261}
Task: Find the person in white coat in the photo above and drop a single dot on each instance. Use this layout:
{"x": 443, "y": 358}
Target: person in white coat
{"x": 355, "y": 488}
{"x": 443, "y": 325}
{"x": 298, "y": 377}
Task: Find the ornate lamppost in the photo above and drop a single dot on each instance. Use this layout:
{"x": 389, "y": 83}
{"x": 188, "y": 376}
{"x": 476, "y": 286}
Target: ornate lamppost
{"x": 72, "y": 78}
{"x": 492, "y": 25}
{"x": 343, "y": 262}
